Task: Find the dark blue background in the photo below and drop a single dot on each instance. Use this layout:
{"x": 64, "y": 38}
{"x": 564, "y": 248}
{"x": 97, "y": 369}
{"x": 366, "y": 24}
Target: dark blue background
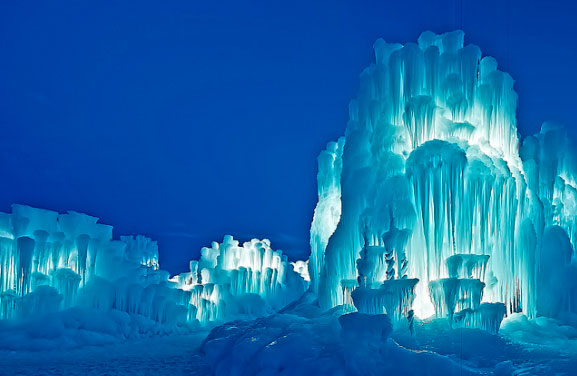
{"x": 187, "y": 120}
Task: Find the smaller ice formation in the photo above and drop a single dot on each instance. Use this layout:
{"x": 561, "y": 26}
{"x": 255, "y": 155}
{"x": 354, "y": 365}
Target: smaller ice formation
{"x": 231, "y": 280}
{"x": 383, "y": 286}
{"x": 487, "y": 316}
{"x": 51, "y": 262}
{"x": 393, "y": 297}
{"x": 459, "y": 297}
{"x": 327, "y": 213}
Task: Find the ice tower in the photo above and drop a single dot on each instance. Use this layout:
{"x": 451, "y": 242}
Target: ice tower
{"x": 430, "y": 184}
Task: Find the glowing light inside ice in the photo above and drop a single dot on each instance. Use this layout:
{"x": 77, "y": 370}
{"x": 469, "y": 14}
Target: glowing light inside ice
{"x": 428, "y": 205}
{"x": 51, "y": 261}
{"x": 431, "y": 152}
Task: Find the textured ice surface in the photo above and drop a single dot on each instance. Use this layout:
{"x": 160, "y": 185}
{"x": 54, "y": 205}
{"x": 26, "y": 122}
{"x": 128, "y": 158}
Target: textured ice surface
{"x": 250, "y": 279}
{"x": 430, "y": 183}
{"x": 427, "y": 206}
{"x": 304, "y": 341}
{"x": 50, "y": 262}
{"x": 529, "y": 347}
{"x": 173, "y": 355}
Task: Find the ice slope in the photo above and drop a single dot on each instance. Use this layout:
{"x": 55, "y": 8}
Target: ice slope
{"x": 303, "y": 339}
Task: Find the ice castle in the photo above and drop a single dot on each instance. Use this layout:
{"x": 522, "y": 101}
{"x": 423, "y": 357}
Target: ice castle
{"x": 429, "y": 199}
{"x": 429, "y": 205}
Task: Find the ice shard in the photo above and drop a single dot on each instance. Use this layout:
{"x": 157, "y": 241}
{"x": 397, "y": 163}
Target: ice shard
{"x": 328, "y": 209}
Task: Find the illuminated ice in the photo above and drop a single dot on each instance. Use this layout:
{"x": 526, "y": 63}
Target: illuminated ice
{"x": 249, "y": 279}
{"x": 430, "y": 184}
{"x": 328, "y": 210}
{"x": 487, "y": 316}
{"x": 427, "y": 206}
{"x": 50, "y": 262}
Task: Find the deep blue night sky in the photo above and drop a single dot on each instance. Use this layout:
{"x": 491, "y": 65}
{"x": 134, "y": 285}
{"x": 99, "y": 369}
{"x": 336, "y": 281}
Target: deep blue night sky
{"x": 187, "y": 120}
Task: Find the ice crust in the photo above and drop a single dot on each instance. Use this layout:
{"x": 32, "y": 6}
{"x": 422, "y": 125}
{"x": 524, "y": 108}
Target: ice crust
{"x": 304, "y": 340}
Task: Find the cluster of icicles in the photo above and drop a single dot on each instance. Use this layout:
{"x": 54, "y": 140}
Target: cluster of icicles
{"x": 428, "y": 205}
{"x": 430, "y": 184}
{"x": 51, "y": 261}
{"x": 383, "y": 289}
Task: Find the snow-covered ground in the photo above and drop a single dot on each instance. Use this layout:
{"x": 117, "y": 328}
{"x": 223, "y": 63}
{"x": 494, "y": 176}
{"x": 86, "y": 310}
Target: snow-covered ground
{"x": 303, "y": 340}
{"x": 314, "y": 346}
{"x": 168, "y": 355}
{"x": 522, "y": 348}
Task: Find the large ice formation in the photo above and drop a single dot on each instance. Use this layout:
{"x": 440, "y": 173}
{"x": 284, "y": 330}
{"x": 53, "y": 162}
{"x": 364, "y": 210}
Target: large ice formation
{"x": 51, "y": 261}
{"x": 427, "y": 205}
{"x": 430, "y": 184}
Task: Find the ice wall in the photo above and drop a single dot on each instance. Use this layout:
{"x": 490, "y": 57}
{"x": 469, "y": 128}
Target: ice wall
{"x": 431, "y": 152}
{"x": 51, "y": 261}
